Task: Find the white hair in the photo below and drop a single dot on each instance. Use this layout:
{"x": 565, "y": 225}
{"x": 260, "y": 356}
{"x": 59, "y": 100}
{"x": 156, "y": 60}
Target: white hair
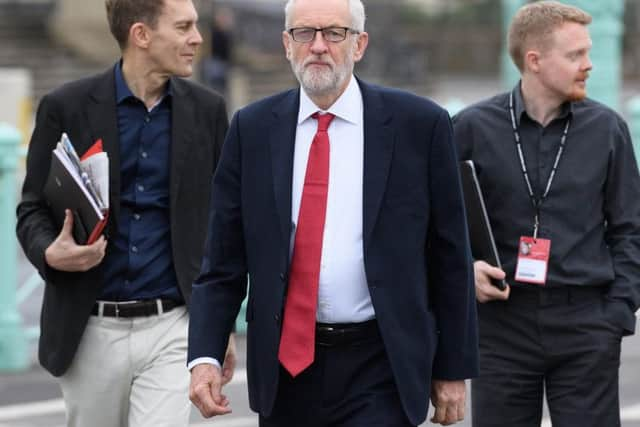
{"x": 355, "y": 6}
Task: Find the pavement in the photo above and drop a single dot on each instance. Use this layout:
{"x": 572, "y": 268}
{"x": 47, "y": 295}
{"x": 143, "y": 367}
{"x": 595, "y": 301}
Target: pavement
{"x": 33, "y": 399}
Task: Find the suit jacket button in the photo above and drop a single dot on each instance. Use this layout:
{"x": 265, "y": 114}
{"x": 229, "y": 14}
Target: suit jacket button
{"x": 282, "y": 276}
{"x": 277, "y": 318}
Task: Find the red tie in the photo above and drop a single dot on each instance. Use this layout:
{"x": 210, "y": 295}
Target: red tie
{"x": 299, "y": 324}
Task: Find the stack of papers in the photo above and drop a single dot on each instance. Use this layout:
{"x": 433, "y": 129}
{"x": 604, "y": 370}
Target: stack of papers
{"x": 81, "y": 185}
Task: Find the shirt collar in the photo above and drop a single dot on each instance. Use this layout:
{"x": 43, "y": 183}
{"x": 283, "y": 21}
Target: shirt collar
{"x": 519, "y": 108}
{"x": 122, "y": 89}
{"x": 348, "y": 106}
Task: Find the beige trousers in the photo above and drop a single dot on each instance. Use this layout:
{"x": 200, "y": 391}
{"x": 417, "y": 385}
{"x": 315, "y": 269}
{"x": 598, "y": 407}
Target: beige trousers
{"x": 130, "y": 372}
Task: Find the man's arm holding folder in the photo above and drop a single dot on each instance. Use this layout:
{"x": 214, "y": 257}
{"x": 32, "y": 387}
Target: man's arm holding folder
{"x": 48, "y": 245}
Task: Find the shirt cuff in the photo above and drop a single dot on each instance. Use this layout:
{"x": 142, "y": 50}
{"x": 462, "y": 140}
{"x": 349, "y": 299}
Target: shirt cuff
{"x": 203, "y": 361}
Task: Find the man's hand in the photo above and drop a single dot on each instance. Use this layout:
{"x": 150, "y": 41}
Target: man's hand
{"x": 485, "y": 291}
{"x": 65, "y": 254}
{"x": 448, "y": 398}
{"x": 205, "y": 391}
{"x": 229, "y": 365}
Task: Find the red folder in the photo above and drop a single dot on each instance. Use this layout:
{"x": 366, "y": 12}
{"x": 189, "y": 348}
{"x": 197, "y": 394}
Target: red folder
{"x": 94, "y": 149}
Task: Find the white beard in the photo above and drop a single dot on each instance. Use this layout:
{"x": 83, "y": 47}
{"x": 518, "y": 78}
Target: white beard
{"x": 322, "y": 81}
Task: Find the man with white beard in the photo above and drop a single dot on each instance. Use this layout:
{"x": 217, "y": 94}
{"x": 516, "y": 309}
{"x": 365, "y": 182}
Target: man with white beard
{"x": 342, "y": 202}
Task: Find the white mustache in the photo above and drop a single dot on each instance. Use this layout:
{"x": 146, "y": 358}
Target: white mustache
{"x": 318, "y": 59}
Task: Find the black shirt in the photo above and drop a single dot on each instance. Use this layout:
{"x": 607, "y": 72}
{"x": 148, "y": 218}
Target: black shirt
{"x": 592, "y": 211}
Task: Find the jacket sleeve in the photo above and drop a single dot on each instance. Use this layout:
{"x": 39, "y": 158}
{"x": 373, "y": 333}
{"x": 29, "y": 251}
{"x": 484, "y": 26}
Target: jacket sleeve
{"x": 221, "y": 286}
{"x": 35, "y": 227}
{"x": 622, "y": 213}
{"x": 449, "y": 262}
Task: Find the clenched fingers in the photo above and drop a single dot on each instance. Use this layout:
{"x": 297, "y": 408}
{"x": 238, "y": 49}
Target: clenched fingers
{"x": 205, "y": 391}
{"x": 65, "y": 255}
{"x": 485, "y": 291}
{"x": 448, "y": 398}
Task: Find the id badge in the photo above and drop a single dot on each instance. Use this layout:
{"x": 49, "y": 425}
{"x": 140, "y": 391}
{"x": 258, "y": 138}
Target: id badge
{"x": 533, "y": 260}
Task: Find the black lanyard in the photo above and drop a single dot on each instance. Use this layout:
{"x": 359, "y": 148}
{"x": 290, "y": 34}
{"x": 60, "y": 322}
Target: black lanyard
{"x": 516, "y": 134}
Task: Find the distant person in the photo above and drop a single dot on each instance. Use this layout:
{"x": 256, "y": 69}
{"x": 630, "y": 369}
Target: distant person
{"x": 114, "y": 316}
{"x": 342, "y": 202}
{"x": 562, "y": 190}
{"x": 216, "y": 66}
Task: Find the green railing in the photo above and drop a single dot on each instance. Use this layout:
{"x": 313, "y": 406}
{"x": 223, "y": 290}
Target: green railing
{"x": 13, "y": 339}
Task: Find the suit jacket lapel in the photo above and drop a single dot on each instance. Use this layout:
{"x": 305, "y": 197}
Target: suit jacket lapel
{"x": 103, "y": 123}
{"x": 378, "y": 150}
{"x": 182, "y": 125}
{"x": 282, "y": 135}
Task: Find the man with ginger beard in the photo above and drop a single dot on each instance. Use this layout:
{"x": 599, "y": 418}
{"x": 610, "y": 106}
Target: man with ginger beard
{"x": 361, "y": 301}
{"x": 559, "y": 179}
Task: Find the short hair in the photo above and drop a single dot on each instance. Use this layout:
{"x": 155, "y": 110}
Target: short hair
{"x": 355, "y": 7}
{"x": 122, "y": 14}
{"x": 534, "y": 24}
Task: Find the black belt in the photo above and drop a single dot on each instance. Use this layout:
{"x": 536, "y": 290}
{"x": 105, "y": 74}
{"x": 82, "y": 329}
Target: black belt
{"x": 333, "y": 334}
{"x": 135, "y": 308}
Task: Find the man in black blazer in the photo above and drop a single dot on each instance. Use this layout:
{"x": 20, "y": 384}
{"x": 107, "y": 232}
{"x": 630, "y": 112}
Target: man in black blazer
{"x": 114, "y": 319}
{"x": 361, "y": 298}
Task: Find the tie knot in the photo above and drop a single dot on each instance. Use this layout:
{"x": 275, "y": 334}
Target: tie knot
{"x": 324, "y": 120}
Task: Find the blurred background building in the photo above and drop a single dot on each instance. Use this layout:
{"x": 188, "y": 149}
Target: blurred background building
{"x": 415, "y": 44}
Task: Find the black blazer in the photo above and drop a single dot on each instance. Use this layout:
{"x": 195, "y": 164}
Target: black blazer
{"x": 86, "y": 110}
{"x": 416, "y": 250}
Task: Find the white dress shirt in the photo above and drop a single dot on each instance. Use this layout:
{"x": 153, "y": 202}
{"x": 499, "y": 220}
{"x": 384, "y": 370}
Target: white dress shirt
{"x": 343, "y": 295}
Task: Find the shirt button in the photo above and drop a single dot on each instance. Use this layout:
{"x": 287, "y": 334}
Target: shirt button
{"x": 144, "y": 154}
{"x": 147, "y": 119}
{"x": 136, "y": 217}
{"x": 134, "y": 249}
{"x": 140, "y": 187}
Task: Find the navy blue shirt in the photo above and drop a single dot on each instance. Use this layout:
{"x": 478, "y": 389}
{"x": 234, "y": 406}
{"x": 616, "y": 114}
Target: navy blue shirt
{"x": 139, "y": 264}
